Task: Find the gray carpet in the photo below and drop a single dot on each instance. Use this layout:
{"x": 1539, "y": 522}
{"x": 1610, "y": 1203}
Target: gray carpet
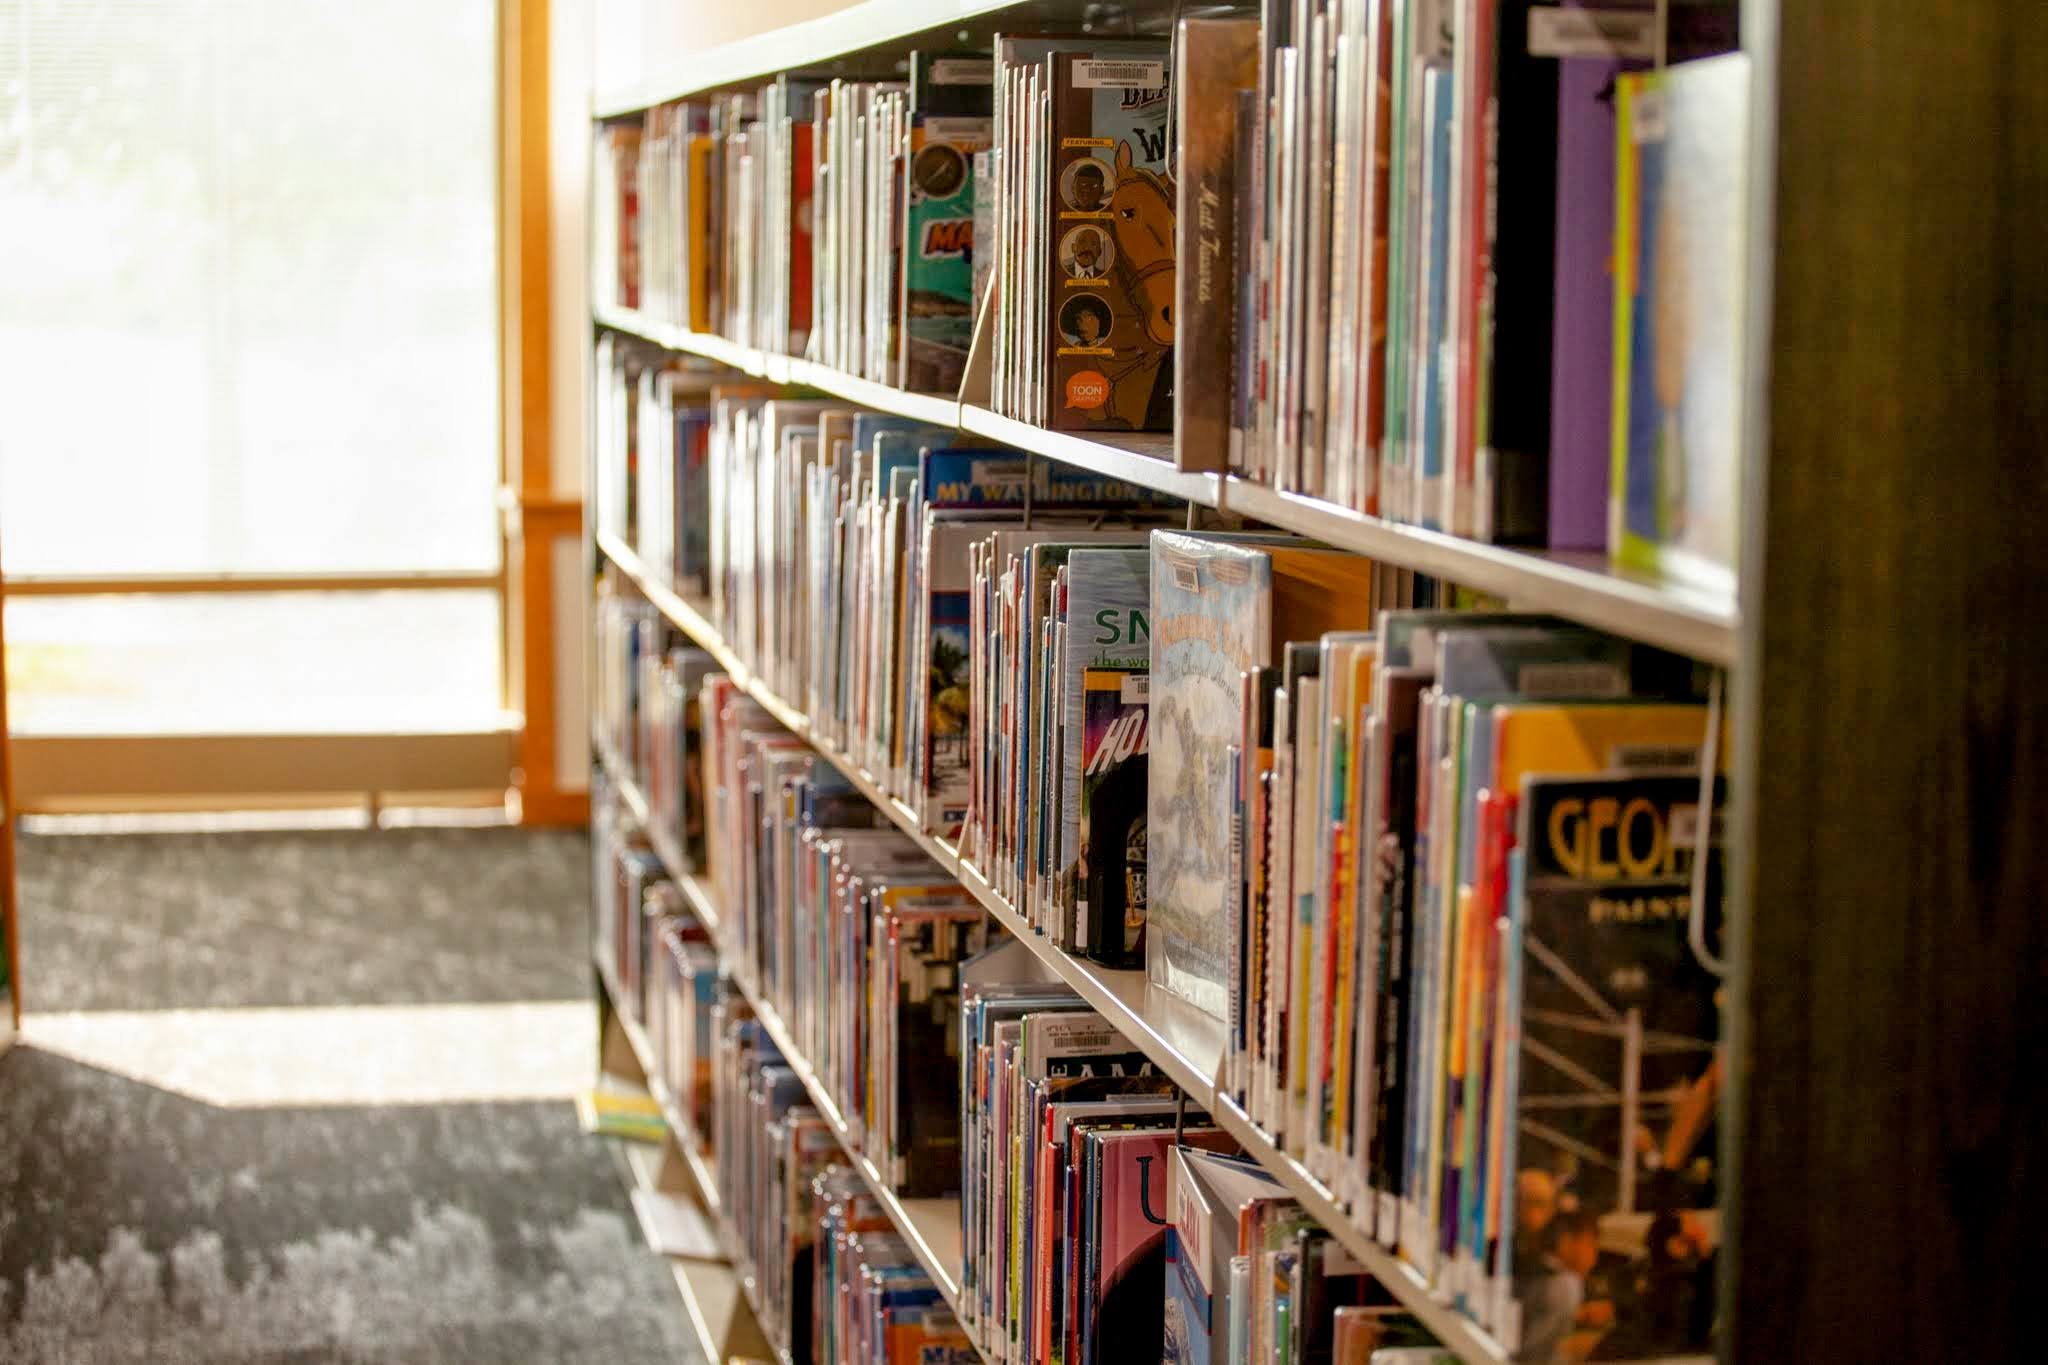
{"x": 138, "y": 1223}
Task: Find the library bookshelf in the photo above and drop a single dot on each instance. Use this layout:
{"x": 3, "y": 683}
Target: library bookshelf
{"x": 1877, "y": 776}
{"x": 1184, "y": 1043}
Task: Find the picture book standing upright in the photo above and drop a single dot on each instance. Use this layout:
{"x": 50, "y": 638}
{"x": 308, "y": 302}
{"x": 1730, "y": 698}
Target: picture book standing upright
{"x": 1112, "y": 244}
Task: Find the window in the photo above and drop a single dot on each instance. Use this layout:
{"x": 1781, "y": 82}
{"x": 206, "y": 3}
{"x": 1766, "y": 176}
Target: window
{"x": 248, "y": 325}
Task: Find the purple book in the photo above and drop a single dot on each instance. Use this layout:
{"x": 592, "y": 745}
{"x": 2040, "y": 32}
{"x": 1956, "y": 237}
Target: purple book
{"x": 1582, "y": 349}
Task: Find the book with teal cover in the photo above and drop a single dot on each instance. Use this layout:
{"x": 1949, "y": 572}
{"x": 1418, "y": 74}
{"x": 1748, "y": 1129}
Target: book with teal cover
{"x": 950, "y": 122}
{"x": 1680, "y": 200}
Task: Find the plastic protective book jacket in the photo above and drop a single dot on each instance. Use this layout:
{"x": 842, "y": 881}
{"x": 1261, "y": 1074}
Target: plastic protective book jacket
{"x": 1614, "y": 1172}
{"x": 1111, "y": 248}
{"x": 1218, "y": 607}
{"x": 1211, "y": 620}
{"x": 1678, "y": 319}
{"x": 1206, "y": 1192}
{"x": 1113, "y": 842}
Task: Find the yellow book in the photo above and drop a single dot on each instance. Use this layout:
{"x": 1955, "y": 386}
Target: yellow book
{"x": 1591, "y": 739}
{"x": 630, "y": 1114}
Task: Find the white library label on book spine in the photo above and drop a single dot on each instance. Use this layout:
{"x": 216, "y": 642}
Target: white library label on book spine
{"x": 1648, "y": 123}
{"x": 963, "y": 71}
{"x": 1592, "y": 32}
{"x": 940, "y": 128}
{"x": 1101, "y": 74}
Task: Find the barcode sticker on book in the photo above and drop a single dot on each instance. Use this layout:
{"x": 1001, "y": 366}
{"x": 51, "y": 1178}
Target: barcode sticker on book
{"x": 963, "y": 71}
{"x": 1647, "y": 122}
{"x": 939, "y": 129}
{"x": 1637, "y": 757}
{"x": 1592, "y": 33}
{"x": 1106, "y": 75}
{"x": 1571, "y": 680}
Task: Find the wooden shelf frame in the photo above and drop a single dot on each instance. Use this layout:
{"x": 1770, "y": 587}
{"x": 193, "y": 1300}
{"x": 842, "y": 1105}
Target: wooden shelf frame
{"x": 1579, "y": 587}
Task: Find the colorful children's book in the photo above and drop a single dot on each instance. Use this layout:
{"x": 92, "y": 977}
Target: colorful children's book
{"x": 1110, "y": 889}
{"x": 1211, "y": 620}
{"x": 1220, "y": 604}
{"x": 1111, "y": 249}
{"x": 1206, "y": 1192}
{"x": 1126, "y": 1224}
{"x": 951, "y": 103}
{"x": 1680, "y": 200}
{"x": 1617, "y": 1076}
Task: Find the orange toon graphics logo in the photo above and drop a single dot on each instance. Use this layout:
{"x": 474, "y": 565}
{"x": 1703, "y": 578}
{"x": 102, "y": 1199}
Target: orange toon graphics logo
{"x": 947, "y": 237}
{"x": 1088, "y": 389}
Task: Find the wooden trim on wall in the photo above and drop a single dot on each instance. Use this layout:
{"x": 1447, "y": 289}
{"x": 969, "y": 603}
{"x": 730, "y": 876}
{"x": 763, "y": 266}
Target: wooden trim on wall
{"x": 52, "y": 771}
{"x": 89, "y": 585}
{"x": 10, "y": 939}
{"x": 534, "y": 515}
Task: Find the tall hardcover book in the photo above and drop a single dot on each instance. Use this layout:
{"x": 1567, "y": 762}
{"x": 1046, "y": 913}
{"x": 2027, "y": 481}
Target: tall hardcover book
{"x": 1206, "y": 1193}
{"x": 1514, "y": 320}
{"x": 1680, "y": 200}
{"x": 1126, "y": 1225}
{"x": 1216, "y": 61}
{"x": 1110, "y": 254}
{"x": 1111, "y": 896}
{"x": 1211, "y": 620}
{"x": 1220, "y": 605}
{"x": 1618, "y": 1073}
{"x": 1607, "y": 41}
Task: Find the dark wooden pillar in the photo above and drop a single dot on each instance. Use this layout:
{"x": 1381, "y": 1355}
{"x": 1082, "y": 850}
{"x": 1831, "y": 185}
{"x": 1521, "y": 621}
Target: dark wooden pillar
{"x": 1889, "y": 1131}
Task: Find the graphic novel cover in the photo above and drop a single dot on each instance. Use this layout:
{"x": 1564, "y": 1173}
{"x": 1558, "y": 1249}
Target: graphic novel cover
{"x": 1616, "y": 1083}
{"x": 1111, "y": 253}
{"x": 951, "y": 103}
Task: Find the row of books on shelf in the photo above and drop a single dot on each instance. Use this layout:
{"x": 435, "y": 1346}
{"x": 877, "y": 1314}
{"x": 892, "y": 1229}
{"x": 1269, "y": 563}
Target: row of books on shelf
{"x": 850, "y": 931}
{"x": 1473, "y": 266}
{"x": 663, "y": 969}
{"x": 1104, "y": 1220}
{"x": 827, "y": 1273}
{"x": 1446, "y": 879}
{"x": 833, "y": 1278}
{"x": 1060, "y": 1151}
